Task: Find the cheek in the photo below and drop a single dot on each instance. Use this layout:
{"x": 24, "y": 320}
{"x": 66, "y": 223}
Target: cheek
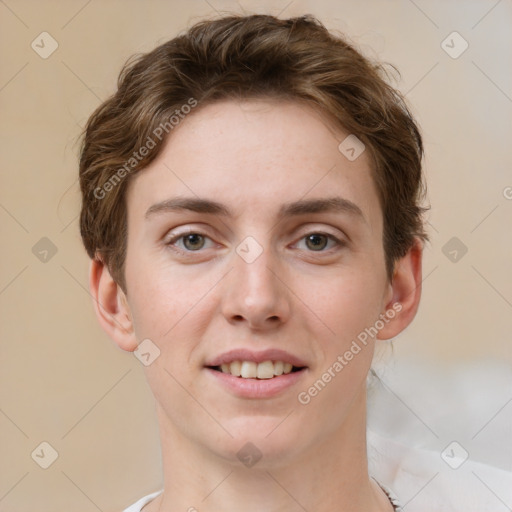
{"x": 346, "y": 305}
{"x": 158, "y": 295}
{"x": 153, "y": 309}
{"x": 171, "y": 308}
{"x": 159, "y": 311}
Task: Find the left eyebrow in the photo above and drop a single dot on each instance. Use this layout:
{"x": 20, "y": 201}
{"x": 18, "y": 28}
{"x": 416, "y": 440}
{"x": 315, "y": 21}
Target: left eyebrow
{"x": 329, "y": 204}
{"x": 304, "y": 206}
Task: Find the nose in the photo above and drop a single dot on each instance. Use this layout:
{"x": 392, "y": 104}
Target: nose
{"x": 256, "y": 292}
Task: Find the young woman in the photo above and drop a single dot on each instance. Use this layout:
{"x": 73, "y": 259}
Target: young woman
{"x": 251, "y": 207}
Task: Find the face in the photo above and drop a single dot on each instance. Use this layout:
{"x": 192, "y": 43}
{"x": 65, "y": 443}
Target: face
{"x": 286, "y": 266}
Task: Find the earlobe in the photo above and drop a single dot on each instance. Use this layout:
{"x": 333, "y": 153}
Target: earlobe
{"x": 111, "y": 306}
{"x": 406, "y": 292}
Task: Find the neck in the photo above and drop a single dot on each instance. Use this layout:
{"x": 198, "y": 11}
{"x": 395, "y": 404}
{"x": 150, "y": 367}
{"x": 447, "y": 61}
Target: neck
{"x": 330, "y": 475}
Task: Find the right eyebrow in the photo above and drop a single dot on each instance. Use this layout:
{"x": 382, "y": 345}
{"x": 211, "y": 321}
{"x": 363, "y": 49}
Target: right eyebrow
{"x": 198, "y": 205}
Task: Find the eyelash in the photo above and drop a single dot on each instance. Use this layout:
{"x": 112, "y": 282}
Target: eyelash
{"x": 170, "y": 243}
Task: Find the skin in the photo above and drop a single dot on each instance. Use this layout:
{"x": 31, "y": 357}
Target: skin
{"x": 311, "y": 301}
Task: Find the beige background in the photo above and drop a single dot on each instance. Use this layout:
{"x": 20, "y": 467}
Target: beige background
{"x": 62, "y": 380}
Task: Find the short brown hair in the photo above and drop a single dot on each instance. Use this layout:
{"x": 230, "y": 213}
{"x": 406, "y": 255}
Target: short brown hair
{"x": 244, "y": 57}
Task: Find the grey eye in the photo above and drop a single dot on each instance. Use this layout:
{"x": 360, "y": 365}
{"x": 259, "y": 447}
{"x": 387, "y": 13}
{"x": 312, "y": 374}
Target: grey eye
{"x": 316, "y": 241}
{"x": 193, "y": 241}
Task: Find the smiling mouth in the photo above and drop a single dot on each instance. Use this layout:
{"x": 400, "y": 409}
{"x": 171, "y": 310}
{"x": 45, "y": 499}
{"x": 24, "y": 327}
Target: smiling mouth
{"x": 252, "y": 370}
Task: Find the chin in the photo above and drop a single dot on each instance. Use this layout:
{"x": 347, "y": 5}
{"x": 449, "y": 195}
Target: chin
{"x": 262, "y": 441}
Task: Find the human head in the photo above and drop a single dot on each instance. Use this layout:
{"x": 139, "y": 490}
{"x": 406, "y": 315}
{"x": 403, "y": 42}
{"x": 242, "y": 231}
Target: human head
{"x": 234, "y": 140}
{"x": 243, "y": 57}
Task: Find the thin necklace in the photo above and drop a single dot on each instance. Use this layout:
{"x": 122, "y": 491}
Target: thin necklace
{"x": 391, "y": 497}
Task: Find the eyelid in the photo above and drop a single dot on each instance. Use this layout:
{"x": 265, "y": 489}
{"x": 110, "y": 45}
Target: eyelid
{"x": 339, "y": 242}
{"x": 321, "y": 230}
{"x": 174, "y": 237}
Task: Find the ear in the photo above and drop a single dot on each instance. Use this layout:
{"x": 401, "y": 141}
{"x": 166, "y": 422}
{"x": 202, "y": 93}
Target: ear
{"x": 404, "y": 293}
{"x": 111, "y": 306}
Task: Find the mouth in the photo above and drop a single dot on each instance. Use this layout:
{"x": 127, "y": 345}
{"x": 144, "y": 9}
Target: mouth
{"x": 250, "y": 374}
{"x": 265, "y": 370}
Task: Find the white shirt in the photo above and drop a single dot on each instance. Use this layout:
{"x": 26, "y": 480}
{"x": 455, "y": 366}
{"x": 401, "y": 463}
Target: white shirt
{"x": 137, "y": 507}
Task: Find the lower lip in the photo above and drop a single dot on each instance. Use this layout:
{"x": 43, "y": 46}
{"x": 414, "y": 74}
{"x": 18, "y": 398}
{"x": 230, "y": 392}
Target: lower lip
{"x": 256, "y": 388}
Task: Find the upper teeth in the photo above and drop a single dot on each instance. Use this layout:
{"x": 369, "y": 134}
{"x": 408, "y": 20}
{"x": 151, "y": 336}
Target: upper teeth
{"x": 252, "y": 370}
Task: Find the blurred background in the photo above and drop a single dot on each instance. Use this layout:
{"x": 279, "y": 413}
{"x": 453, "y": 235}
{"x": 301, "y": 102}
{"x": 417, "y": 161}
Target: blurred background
{"x": 77, "y": 423}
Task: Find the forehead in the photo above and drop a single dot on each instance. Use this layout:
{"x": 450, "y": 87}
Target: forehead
{"x": 255, "y": 153}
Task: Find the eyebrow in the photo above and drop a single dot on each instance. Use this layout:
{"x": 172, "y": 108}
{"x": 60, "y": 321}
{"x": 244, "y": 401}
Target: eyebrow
{"x": 304, "y": 206}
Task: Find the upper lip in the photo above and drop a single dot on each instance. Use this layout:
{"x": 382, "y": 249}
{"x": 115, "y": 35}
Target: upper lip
{"x": 242, "y": 354}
